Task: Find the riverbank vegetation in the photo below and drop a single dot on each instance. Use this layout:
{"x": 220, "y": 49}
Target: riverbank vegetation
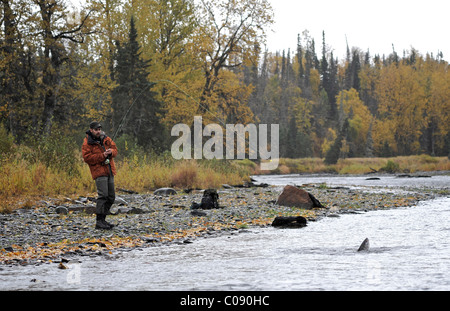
{"x": 394, "y": 165}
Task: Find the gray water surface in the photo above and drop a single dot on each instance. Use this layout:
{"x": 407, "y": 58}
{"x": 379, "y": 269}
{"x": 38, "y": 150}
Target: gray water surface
{"x": 410, "y": 250}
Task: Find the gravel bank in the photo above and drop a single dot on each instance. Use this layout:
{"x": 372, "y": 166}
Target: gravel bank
{"x": 39, "y": 235}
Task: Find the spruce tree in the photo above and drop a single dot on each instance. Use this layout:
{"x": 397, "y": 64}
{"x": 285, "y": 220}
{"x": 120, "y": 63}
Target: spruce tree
{"x": 355, "y": 69}
{"x": 136, "y": 110}
{"x": 324, "y": 71}
{"x": 333, "y": 87}
{"x": 301, "y": 70}
{"x": 334, "y": 152}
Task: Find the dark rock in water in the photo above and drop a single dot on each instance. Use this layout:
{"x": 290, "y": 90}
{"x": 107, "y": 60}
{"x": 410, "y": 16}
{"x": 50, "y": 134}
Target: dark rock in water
{"x": 364, "y": 246}
{"x": 165, "y": 191}
{"x": 403, "y": 176}
{"x": 296, "y": 197}
{"x": 373, "y": 178}
{"x": 333, "y": 215}
{"x": 413, "y": 176}
{"x": 290, "y": 222}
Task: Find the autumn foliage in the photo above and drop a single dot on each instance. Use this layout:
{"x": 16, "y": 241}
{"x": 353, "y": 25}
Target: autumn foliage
{"x": 142, "y": 66}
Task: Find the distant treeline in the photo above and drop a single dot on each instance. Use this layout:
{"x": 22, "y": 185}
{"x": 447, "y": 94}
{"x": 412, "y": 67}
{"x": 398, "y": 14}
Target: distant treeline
{"x": 361, "y": 106}
{"x": 142, "y": 66}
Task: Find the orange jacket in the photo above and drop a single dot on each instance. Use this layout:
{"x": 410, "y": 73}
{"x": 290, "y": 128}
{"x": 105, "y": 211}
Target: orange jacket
{"x": 92, "y": 151}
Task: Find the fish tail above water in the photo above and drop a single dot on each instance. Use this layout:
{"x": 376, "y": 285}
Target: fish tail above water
{"x": 364, "y": 246}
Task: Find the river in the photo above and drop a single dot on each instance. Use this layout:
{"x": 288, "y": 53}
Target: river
{"x": 409, "y": 250}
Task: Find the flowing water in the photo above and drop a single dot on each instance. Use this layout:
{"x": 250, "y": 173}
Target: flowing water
{"x": 409, "y": 250}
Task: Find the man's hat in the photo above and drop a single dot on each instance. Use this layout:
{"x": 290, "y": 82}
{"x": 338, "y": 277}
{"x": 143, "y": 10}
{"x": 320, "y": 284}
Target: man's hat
{"x": 95, "y": 125}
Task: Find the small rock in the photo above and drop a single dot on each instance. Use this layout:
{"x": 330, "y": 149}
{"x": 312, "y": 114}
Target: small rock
{"x": 123, "y": 210}
{"x": 88, "y": 209}
{"x": 83, "y": 199}
{"x": 198, "y": 213}
{"x": 62, "y": 210}
{"x": 333, "y": 215}
{"x": 150, "y": 240}
{"x": 136, "y": 211}
{"x": 120, "y": 201}
{"x": 165, "y": 191}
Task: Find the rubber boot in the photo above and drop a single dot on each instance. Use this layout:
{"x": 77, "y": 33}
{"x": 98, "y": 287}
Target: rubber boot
{"x": 101, "y": 223}
{"x": 108, "y": 223}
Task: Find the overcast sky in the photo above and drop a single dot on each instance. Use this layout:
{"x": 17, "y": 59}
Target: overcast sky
{"x": 373, "y": 25}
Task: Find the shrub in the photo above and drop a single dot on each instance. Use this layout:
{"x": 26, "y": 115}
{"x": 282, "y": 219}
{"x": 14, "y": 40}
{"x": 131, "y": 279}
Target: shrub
{"x": 55, "y": 152}
{"x": 390, "y": 167}
{"x": 185, "y": 174}
{"x": 6, "y": 142}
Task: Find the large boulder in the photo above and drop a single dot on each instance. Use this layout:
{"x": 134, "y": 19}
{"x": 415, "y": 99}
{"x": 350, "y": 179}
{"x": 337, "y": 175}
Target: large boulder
{"x": 296, "y": 197}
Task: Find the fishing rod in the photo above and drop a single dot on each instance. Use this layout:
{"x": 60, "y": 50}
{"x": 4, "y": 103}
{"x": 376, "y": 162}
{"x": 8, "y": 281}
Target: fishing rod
{"x": 129, "y": 109}
{"x": 150, "y": 84}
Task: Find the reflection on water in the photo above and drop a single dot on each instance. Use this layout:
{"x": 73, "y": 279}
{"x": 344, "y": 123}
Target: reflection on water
{"x": 410, "y": 250}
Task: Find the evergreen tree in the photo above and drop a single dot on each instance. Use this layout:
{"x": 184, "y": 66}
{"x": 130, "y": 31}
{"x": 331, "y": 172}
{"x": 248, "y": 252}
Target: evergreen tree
{"x": 324, "y": 71}
{"x": 355, "y": 69}
{"x": 136, "y": 110}
{"x": 328, "y": 72}
{"x": 292, "y": 145}
{"x": 333, "y": 87}
{"x": 301, "y": 70}
{"x": 334, "y": 152}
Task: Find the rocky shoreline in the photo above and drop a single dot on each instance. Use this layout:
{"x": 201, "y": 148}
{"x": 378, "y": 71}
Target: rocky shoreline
{"x": 56, "y": 232}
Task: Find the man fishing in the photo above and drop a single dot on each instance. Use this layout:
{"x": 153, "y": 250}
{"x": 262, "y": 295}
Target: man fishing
{"x": 99, "y": 152}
